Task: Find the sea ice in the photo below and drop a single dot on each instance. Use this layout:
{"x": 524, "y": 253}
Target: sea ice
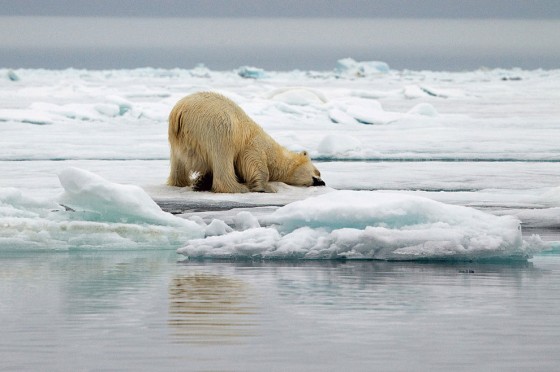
{"x": 115, "y": 124}
{"x": 12, "y": 76}
{"x": 111, "y": 202}
{"x": 352, "y": 68}
{"x": 372, "y": 114}
{"x": 424, "y": 109}
{"x": 249, "y": 72}
{"x": 24, "y": 116}
{"x": 92, "y": 213}
{"x": 217, "y": 227}
{"x": 333, "y": 145}
{"x": 245, "y": 220}
{"x": 371, "y": 225}
{"x": 341, "y": 117}
{"x": 297, "y": 96}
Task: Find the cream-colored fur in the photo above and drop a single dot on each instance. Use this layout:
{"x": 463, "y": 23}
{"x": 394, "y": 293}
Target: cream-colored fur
{"x": 213, "y": 139}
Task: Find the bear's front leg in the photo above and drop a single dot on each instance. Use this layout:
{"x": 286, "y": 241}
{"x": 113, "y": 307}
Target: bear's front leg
{"x": 224, "y": 177}
{"x": 254, "y": 170}
{"x": 257, "y": 181}
{"x": 267, "y": 187}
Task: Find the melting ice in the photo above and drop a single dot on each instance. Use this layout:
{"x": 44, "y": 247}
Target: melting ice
{"x": 371, "y": 225}
{"x": 91, "y": 213}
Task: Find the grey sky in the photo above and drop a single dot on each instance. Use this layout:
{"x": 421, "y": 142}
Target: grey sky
{"x": 279, "y": 35}
{"x": 505, "y": 9}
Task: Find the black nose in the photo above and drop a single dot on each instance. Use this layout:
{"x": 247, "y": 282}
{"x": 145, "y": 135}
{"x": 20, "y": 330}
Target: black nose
{"x": 318, "y": 182}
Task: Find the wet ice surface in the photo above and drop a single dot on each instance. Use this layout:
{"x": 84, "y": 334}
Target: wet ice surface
{"x": 89, "y": 262}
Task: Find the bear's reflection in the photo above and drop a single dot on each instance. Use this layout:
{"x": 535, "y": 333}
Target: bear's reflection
{"x": 210, "y": 309}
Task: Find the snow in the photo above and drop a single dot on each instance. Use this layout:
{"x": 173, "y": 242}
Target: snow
{"x": 449, "y": 163}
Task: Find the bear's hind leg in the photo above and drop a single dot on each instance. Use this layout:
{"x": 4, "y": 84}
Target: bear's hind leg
{"x": 203, "y": 182}
{"x": 180, "y": 173}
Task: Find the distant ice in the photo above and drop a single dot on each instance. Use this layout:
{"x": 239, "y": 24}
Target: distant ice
{"x": 24, "y": 116}
{"x": 12, "y": 76}
{"x": 351, "y": 68}
{"x": 297, "y": 96}
{"x": 424, "y": 109}
{"x": 249, "y": 72}
{"x": 372, "y": 114}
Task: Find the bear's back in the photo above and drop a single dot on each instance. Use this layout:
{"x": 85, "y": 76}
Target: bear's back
{"x": 209, "y": 116}
{"x": 212, "y": 105}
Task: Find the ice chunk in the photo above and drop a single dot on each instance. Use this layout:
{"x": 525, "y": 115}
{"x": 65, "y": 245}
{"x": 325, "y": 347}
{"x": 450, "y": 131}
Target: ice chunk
{"x": 373, "y": 114}
{"x": 249, "y": 243}
{"x": 124, "y": 104}
{"x": 350, "y": 67}
{"x": 80, "y": 111}
{"x": 217, "y": 227}
{"x": 338, "y": 144}
{"x": 14, "y": 204}
{"x": 413, "y": 91}
{"x": 12, "y": 76}
{"x": 245, "y": 220}
{"x": 108, "y": 109}
{"x": 249, "y": 72}
{"x": 372, "y": 225}
{"x": 25, "y": 116}
{"x": 419, "y": 91}
{"x": 110, "y": 202}
{"x": 423, "y": 109}
{"x": 338, "y": 116}
{"x": 200, "y": 71}
{"x": 297, "y": 96}
{"x": 374, "y": 94}
{"x": 97, "y": 214}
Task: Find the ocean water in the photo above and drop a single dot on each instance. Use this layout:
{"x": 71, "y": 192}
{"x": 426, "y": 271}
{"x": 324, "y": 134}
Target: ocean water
{"x": 144, "y": 310}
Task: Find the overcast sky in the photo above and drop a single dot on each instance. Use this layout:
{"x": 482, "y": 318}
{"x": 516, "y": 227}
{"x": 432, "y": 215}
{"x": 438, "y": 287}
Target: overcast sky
{"x": 523, "y": 9}
{"x": 285, "y": 34}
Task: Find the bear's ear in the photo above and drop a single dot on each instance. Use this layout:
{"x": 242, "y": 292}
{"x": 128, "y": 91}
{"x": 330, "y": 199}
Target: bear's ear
{"x": 304, "y": 153}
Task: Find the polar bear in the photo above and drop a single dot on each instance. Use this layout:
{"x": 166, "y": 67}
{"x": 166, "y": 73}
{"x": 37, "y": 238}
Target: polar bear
{"x": 216, "y": 146}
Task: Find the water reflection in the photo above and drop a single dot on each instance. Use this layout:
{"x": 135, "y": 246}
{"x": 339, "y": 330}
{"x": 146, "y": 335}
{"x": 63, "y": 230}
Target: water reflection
{"x": 146, "y": 311}
{"x": 210, "y": 309}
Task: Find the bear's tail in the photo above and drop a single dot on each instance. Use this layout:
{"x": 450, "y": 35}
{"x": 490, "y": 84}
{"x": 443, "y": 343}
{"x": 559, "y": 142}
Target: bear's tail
{"x": 175, "y": 123}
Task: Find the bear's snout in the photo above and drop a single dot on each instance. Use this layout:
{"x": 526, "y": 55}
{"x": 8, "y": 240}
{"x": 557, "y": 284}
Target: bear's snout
{"x": 318, "y": 182}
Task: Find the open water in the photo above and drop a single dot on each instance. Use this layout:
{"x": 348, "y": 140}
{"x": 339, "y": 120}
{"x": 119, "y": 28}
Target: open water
{"x": 146, "y": 310}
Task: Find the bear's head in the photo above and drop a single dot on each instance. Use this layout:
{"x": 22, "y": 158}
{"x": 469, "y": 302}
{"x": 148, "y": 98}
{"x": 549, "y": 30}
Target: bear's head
{"x": 304, "y": 172}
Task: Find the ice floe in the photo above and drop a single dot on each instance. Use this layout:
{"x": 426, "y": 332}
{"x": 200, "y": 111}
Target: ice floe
{"x": 91, "y": 213}
{"x": 371, "y": 225}
{"x": 351, "y": 68}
